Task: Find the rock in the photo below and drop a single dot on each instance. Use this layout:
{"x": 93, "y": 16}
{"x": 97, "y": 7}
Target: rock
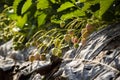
{"x": 70, "y": 53}
{"x": 6, "y": 64}
{"x": 17, "y": 56}
{"x": 6, "y": 48}
{"x": 29, "y": 70}
{"x": 98, "y": 59}
{"x": 6, "y": 69}
{"x": 36, "y": 77}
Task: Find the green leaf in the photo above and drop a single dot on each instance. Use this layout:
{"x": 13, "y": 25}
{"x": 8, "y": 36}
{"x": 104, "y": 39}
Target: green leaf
{"x": 87, "y": 0}
{"x": 53, "y": 1}
{"x": 56, "y": 21}
{"x": 67, "y": 16}
{"x": 82, "y": 0}
{"x": 86, "y": 6}
{"x": 21, "y": 20}
{"x": 41, "y": 19}
{"x": 64, "y": 6}
{"x": 78, "y": 13}
{"x": 13, "y": 16}
{"x": 43, "y": 4}
{"x": 70, "y": 15}
{"x": 96, "y": 14}
{"x": 73, "y": 1}
{"x": 26, "y": 6}
{"x": 15, "y": 4}
{"x": 104, "y": 6}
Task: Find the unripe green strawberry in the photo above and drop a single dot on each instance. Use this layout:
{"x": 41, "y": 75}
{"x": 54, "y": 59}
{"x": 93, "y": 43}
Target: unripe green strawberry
{"x": 27, "y": 44}
{"x": 54, "y": 51}
{"x": 85, "y": 34}
{"x": 67, "y": 37}
{"x": 71, "y": 32}
{"x": 57, "y": 42}
{"x": 31, "y": 58}
{"x": 83, "y": 30}
{"x": 83, "y": 41}
{"x": 62, "y": 24}
{"x": 90, "y": 28}
{"x": 37, "y": 56}
{"x": 59, "y": 53}
{"x": 76, "y": 45}
{"x": 42, "y": 57}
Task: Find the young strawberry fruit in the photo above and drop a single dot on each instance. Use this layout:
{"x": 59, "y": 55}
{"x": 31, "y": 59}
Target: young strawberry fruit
{"x": 90, "y": 28}
{"x": 75, "y": 39}
{"x": 42, "y": 57}
{"x": 31, "y": 58}
{"x": 85, "y": 34}
{"x": 76, "y": 45}
{"x": 67, "y": 37}
{"x": 83, "y": 30}
{"x": 57, "y": 42}
{"x": 59, "y": 53}
{"x": 37, "y": 56}
{"x": 27, "y": 44}
{"x": 54, "y": 51}
{"x": 62, "y": 24}
{"x": 71, "y": 32}
{"x": 83, "y": 41}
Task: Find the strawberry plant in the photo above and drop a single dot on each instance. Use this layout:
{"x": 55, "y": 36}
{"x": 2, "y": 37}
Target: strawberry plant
{"x": 30, "y": 23}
